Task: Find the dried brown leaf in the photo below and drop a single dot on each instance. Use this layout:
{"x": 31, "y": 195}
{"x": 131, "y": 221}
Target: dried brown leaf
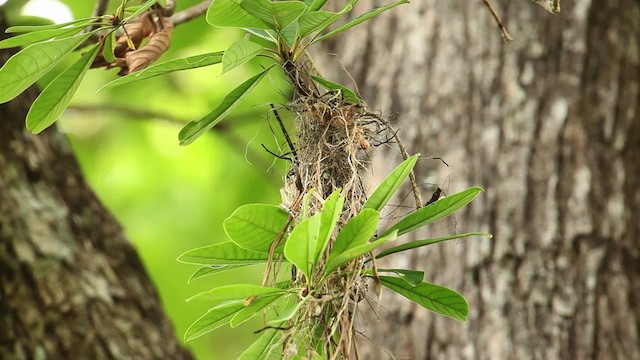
{"x": 158, "y": 43}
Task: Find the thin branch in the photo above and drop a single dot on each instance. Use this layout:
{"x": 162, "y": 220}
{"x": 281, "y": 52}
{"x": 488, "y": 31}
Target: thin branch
{"x": 190, "y": 13}
{"x": 100, "y": 8}
{"x": 169, "y": 8}
{"x": 412, "y": 174}
{"x": 503, "y": 30}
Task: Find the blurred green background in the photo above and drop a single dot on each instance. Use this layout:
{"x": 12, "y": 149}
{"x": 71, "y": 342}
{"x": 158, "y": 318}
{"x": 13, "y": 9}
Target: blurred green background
{"x": 170, "y": 198}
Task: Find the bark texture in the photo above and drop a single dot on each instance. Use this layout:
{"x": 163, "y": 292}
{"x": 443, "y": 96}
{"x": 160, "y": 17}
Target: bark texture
{"x": 550, "y": 126}
{"x": 71, "y": 285}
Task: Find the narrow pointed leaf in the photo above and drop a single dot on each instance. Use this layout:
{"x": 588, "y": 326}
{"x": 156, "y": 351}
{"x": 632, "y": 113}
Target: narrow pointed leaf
{"x": 319, "y": 20}
{"x": 278, "y": 14}
{"x": 357, "y": 231}
{"x": 31, "y": 63}
{"x": 419, "y": 243}
{"x": 253, "y": 309}
{"x": 328, "y": 220}
{"x": 235, "y": 291}
{"x": 53, "y": 100}
{"x": 316, "y": 5}
{"x": 390, "y": 184}
{"x": 348, "y": 94}
{"x": 205, "y": 271}
{"x": 301, "y": 245}
{"x": 241, "y": 51}
{"x": 412, "y": 277}
{"x": 140, "y": 9}
{"x": 225, "y": 253}
{"x": 213, "y": 319}
{"x": 229, "y": 13}
{"x": 290, "y": 33}
{"x": 265, "y": 348}
{"x": 37, "y": 36}
{"x": 109, "y": 47}
{"x": 349, "y": 254}
{"x": 191, "y": 62}
{"x": 360, "y": 19}
{"x": 80, "y": 23}
{"x": 256, "y": 226}
{"x": 289, "y": 311}
{"x": 436, "y": 298}
{"x": 436, "y": 211}
{"x": 195, "y": 129}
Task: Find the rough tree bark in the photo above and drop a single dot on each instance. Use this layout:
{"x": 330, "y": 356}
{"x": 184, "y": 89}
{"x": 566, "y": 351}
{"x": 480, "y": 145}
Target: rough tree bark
{"x": 550, "y": 126}
{"x": 71, "y": 285}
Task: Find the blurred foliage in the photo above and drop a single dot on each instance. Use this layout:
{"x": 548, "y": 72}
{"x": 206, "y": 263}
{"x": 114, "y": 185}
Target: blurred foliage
{"x": 169, "y": 198}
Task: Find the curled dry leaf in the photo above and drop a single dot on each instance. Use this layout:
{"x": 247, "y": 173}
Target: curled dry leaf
{"x": 158, "y": 43}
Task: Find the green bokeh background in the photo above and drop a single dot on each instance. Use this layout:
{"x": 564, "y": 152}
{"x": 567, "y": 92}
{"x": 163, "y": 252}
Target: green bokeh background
{"x": 169, "y": 198}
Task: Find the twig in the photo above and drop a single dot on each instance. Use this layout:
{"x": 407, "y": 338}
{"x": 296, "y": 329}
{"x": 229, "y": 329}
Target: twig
{"x": 100, "y": 8}
{"x": 190, "y": 13}
{"x": 503, "y": 30}
{"x": 412, "y": 175}
{"x": 284, "y": 131}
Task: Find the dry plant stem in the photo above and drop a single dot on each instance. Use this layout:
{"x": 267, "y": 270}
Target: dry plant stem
{"x": 190, "y": 13}
{"x": 503, "y": 30}
{"x": 412, "y": 175}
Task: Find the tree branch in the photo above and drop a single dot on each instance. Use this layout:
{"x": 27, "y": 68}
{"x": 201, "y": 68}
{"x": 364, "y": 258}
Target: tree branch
{"x": 190, "y": 13}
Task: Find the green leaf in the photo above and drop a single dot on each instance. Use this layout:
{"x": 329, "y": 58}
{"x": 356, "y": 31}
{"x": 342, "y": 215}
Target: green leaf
{"x": 412, "y": 277}
{"x": 390, "y": 184}
{"x": 318, "y": 4}
{"x": 109, "y": 47}
{"x": 357, "y": 231}
{"x": 213, "y": 319}
{"x": 348, "y": 94}
{"x": 191, "y": 62}
{"x": 301, "y": 245}
{"x": 80, "y": 23}
{"x": 319, "y": 20}
{"x": 349, "y": 254}
{"x": 360, "y": 19}
{"x": 140, "y": 9}
{"x": 436, "y": 298}
{"x": 256, "y": 226}
{"x": 195, "y": 129}
{"x": 328, "y": 220}
{"x": 290, "y": 33}
{"x": 225, "y": 253}
{"x": 31, "y": 63}
{"x": 235, "y": 291}
{"x": 241, "y": 51}
{"x": 277, "y": 14}
{"x": 289, "y": 311}
{"x": 418, "y": 243}
{"x": 53, "y": 100}
{"x": 436, "y": 211}
{"x": 205, "y": 271}
{"x": 36, "y": 36}
{"x": 265, "y": 348}
{"x": 229, "y": 13}
{"x": 253, "y": 309}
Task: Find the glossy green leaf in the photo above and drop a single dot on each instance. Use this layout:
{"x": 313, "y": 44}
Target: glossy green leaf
{"x": 390, "y": 184}
{"x": 268, "y": 35}
{"x": 328, "y": 220}
{"x": 253, "y": 309}
{"x": 266, "y": 347}
{"x": 290, "y": 33}
{"x": 241, "y": 51}
{"x": 225, "y": 253}
{"x": 235, "y": 291}
{"x": 436, "y": 298}
{"x": 55, "y": 98}
{"x": 419, "y": 243}
{"x": 195, "y": 129}
{"x": 191, "y": 62}
{"x": 359, "y": 20}
{"x": 229, "y": 13}
{"x": 31, "y": 63}
{"x": 278, "y": 14}
{"x": 313, "y": 21}
{"x": 140, "y": 9}
{"x": 301, "y": 245}
{"x": 436, "y": 211}
{"x": 256, "y": 226}
{"x": 348, "y": 94}
{"x": 213, "y": 319}
{"x": 80, "y": 23}
{"x": 109, "y": 47}
{"x": 37, "y": 36}
{"x": 412, "y": 277}
{"x": 205, "y": 271}
{"x": 357, "y": 231}
{"x": 315, "y": 5}
{"x": 349, "y": 254}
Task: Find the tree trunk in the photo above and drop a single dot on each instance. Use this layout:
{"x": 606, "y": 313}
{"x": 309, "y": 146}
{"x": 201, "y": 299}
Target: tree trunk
{"x": 71, "y": 285}
{"x": 550, "y": 126}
